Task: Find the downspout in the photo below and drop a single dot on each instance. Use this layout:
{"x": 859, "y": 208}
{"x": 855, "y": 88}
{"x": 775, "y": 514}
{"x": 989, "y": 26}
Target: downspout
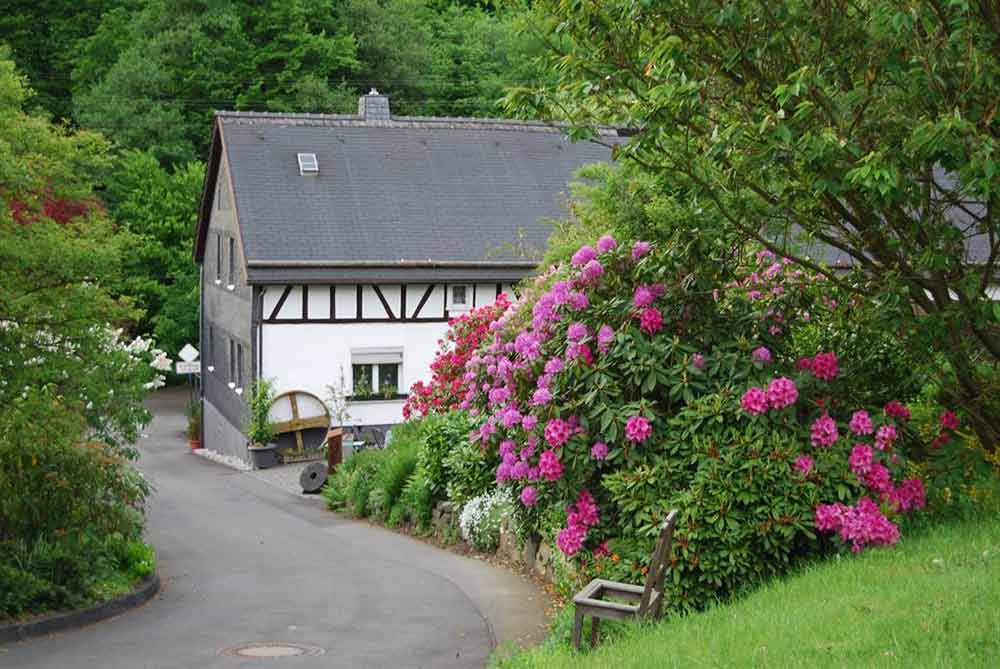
{"x": 257, "y": 332}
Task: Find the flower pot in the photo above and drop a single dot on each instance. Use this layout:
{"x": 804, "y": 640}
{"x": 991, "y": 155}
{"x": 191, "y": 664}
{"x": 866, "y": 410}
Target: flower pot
{"x": 263, "y": 455}
{"x": 194, "y": 444}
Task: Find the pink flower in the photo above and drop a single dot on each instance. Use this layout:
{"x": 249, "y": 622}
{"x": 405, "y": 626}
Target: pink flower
{"x": 824, "y": 431}
{"x": 896, "y": 410}
{"x": 828, "y": 516}
{"x": 578, "y": 301}
{"x": 605, "y": 336}
{"x": 804, "y": 464}
{"x": 549, "y": 466}
{"x": 581, "y": 351}
{"x": 557, "y": 432}
{"x": 948, "y": 420}
{"x": 754, "y": 401}
{"x": 602, "y": 550}
{"x": 698, "y": 360}
{"x": 576, "y": 332}
{"x": 861, "y": 423}
{"x": 529, "y": 422}
{"x": 592, "y": 271}
{"x": 553, "y": 366}
{"x": 824, "y": 366}
{"x": 860, "y": 525}
{"x": 639, "y": 249}
{"x": 541, "y": 397}
{"x": 781, "y": 393}
{"x": 878, "y": 479}
{"x": 643, "y": 296}
{"x": 860, "y": 460}
{"x": 638, "y": 428}
{"x": 599, "y": 451}
{"x": 510, "y": 416}
{"x": 910, "y": 495}
{"x": 570, "y": 539}
{"x": 651, "y": 321}
{"x": 529, "y": 496}
{"x": 583, "y": 256}
{"x": 762, "y": 354}
{"x": 606, "y": 243}
{"x": 885, "y": 436}
{"x": 586, "y": 509}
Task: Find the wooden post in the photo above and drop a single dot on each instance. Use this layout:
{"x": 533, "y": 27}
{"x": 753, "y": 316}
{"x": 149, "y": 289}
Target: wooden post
{"x": 334, "y": 448}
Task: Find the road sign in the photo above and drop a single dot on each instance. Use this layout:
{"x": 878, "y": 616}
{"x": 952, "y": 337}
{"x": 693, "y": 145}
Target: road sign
{"x": 188, "y": 354}
{"x": 188, "y": 367}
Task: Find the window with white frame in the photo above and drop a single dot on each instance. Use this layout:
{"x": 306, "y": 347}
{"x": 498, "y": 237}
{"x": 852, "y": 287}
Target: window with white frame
{"x": 459, "y": 297}
{"x": 232, "y": 262}
{"x": 376, "y": 371}
{"x": 218, "y": 258}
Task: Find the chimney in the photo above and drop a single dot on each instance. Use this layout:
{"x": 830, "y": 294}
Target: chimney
{"x": 374, "y": 106}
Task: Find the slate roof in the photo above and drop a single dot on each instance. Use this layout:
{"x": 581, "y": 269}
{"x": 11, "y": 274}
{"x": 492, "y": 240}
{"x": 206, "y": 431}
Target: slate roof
{"x": 466, "y": 195}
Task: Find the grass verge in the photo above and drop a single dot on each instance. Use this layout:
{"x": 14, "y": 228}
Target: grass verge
{"x": 932, "y": 601}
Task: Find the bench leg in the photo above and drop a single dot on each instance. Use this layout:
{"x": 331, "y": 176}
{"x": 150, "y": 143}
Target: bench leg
{"x": 578, "y": 628}
{"x": 595, "y": 631}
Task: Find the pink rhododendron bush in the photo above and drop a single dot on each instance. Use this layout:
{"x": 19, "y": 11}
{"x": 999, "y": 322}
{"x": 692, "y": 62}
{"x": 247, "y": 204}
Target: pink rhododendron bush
{"x": 641, "y": 378}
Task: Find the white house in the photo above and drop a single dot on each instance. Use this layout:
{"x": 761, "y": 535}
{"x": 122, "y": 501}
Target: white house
{"x": 337, "y": 247}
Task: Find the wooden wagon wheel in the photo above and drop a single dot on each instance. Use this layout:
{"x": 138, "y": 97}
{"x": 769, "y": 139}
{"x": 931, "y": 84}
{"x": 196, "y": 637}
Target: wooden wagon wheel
{"x": 307, "y": 412}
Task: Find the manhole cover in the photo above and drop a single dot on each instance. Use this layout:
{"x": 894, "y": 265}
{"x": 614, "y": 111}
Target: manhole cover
{"x": 268, "y": 649}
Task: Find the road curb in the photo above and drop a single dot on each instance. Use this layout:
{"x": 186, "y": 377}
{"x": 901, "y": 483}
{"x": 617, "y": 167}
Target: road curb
{"x": 58, "y": 622}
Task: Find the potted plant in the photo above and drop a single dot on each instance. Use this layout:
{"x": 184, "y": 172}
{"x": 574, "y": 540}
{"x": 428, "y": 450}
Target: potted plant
{"x": 259, "y": 431}
{"x": 193, "y": 413}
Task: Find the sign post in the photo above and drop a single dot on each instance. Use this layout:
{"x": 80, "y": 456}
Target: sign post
{"x": 188, "y": 365}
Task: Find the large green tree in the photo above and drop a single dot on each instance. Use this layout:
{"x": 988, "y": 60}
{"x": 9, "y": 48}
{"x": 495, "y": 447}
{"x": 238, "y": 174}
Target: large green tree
{"x": 868, "y": 127}
{"x": 159, "y": 207}
{"x": 61, "y": 344}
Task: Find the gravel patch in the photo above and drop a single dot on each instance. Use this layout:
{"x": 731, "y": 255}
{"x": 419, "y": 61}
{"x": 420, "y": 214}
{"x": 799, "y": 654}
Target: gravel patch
{"x": 228, "y": 460}
{"x": 285, "y": 477}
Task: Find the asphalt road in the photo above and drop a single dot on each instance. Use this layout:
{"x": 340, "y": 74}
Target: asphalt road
{"x": 242, "y": 561}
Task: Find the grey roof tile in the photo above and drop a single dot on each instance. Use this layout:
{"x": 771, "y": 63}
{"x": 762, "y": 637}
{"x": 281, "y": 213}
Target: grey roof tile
{"x": 403, "y": 189}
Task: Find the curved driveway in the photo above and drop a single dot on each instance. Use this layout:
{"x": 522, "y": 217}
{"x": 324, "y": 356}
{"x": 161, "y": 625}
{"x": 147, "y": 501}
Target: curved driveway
{"x": 242, "y": 561}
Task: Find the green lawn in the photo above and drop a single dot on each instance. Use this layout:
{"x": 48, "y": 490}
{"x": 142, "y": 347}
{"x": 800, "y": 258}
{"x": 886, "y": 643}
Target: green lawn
{"x": 932, "y": 601}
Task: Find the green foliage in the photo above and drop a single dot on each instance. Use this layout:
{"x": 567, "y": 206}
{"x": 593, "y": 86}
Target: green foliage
{"x": 159, "y": 207}
{"x": 416, "y": 503}
{"x": 258, "y": 426}
{"x": 886, "y": 152}
{"x": 396, "y": 467}
{"x": 443, "y": 432}
{"x": 470, "y": 471}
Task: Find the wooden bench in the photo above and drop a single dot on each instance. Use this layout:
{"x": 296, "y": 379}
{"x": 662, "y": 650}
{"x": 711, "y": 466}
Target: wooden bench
{"x": 648, "y": 599}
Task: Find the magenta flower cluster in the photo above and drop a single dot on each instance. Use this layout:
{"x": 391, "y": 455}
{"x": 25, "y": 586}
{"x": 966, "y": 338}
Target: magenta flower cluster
{"x": 638, "y": 429}
{"x": 780, "y": 393}
{"x": 580, "y": 517}
{"x": 859, "y": 525}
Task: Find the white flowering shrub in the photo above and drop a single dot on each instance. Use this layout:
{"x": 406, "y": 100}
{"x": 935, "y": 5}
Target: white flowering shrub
{"x": 481, "y": 517}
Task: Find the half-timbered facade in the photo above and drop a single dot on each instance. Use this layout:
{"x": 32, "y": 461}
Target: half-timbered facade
{"x": 334, "y": 249}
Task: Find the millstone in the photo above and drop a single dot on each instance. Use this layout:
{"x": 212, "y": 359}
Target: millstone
{"x": 313, "y": 477}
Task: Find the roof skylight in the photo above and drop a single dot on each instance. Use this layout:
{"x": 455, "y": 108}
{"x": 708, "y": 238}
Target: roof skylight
{"x": 308, "y": 163}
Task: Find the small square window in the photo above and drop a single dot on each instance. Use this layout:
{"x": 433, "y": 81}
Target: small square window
{"x": 459, "y": 297}
{"x": 376, "y": 372}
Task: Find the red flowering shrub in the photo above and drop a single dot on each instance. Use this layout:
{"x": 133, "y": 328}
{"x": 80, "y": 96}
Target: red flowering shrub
{"x": 465, "y": 334}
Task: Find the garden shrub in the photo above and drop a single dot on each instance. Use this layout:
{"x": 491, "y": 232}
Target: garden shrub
{"x": 69, "y": 509}
{"x": 363, "y": 480}
{"x": 339, "y": 483}
{"x": 442, "y": 433}
{"x": 416, "y": 503}
{"x": 470, "y": 471}
{"x": 642, "y": 378}
{"x": 481, "y": 518}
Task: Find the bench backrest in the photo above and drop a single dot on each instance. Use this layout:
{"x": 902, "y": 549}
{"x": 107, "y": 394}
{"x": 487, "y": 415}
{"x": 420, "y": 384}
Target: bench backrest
{"x": 658, "y": 565}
